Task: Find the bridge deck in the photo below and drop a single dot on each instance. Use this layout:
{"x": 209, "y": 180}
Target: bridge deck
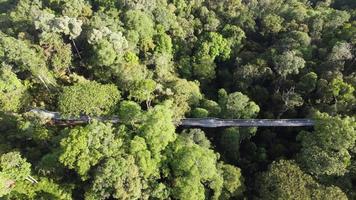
{"x": 216, "y": 122}
{"x": 56, "y": 119}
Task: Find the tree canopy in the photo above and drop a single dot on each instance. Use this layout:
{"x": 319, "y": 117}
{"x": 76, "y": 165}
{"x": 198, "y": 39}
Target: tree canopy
{"x": 149, "y": 64}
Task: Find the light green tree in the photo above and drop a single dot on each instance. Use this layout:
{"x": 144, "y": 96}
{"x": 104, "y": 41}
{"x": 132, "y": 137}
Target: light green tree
{"x": 48, "y": 22}
{"x": 237, "y": 105}
{"x": 117, "y": 177}
{"x": 285, "y": 180}
{"x": 272, "y": 23}
{"x": 233, "y": 182}
{"x": 135, "y": 172}
{"x": 288, "y": 63}
{"x": 13, "y": 93}
{"x": 88, "y": 98}
{"x": 143, "y": 91}
{"x": 157, "y": 128}
{"x": 25, "y": 58}
{"x": 184, "y": 94}
{"x": 14, "y": 169}
{"x": 108, "y": 47}
{"x": 129, "y": 112}
{"x": 140, "y": 23}
{"x": 86, "y": 146}
{"x": 193, "y": 166}
{"x": 212, "y": 46}
{"x": 325, "y": 151}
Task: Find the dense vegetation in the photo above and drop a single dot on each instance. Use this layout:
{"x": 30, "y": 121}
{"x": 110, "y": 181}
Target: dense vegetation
{"x": 153, "y": 62}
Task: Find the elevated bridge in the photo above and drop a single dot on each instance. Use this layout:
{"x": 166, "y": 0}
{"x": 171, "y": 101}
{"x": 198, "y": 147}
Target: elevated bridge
{"x": 56, "y": 119}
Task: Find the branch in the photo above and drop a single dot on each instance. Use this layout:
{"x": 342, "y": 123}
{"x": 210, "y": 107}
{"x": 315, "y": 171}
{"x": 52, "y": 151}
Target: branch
{"x": 31, "y": 179}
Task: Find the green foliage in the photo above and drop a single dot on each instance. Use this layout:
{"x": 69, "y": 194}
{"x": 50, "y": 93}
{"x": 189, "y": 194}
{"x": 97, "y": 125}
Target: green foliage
{"x": 212, "y": 107}
{"x": 297, "y": 40}
{"x": 272, "y": 23}
{"x": 88, "y": 98}
{"x": 13, "y": 93}
{"x": 46, "y": 188}
{"x": 308, "y": 82}
{"x": 153, "y": 151}
{"x": 73, "y": 8}
{"x": 212, "y": 46}
{"x": 326, "y": 151}
{"x": 57, "y": 51}
{"x": 49, "y": 165}
{"x": 129, "y": 111}
{"x": 237, "y": 105}
{"x": 158, "y": 129}
{"x": 104, "y": 53}
{"x": 138, "y": 22}
{"x": 231, "y": 139}
{"x": 288, "y": 63}
{"x": 233, "y": 182}
{"x": 145, "y": 159}
{"x": 130, "y": 73}
{"x": 13, "y": 168}
{"x": 119, "y": 176}
{"x": 196, "y": 136}
{"x": 33, "y": 127}
{"x": 185, "y": 93}
{"x": 108, "y": 46}
{"x": 127, "y": 175}
{"x": 199, "y": 113}
{"x": 246, "y": 75}
{"x": 290, "y": 99}
{"x": 25, "y": 58}
{"x": 193, "y": 166}
{"x": 43, "y": 189}
{"x": 168, "y": 60}
{"x": 48, "y": 23}
{"x": 342, "y": 91}
{"x": 285, "y": 180}
{"x": 143, "y": 90}
{"x": 86, "y": 146}
{"x": 235, "y": 36}
{"x": 163, "y": 43}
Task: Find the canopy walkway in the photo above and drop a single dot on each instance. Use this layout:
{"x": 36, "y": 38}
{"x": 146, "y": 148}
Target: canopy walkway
{"x": 56, "y": 119}
{"x": 215, "y": 122}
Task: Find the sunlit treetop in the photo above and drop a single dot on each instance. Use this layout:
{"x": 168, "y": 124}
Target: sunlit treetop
{"x": 285, "y": 180}
{"x": 13, "y": 92}
{"x": 47, "y": 22}
{"x": 25, "y": 58}
{"x": 326, "y": 151}
{"x": 87, "y": 146}
{"x": 88, "y": 98}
